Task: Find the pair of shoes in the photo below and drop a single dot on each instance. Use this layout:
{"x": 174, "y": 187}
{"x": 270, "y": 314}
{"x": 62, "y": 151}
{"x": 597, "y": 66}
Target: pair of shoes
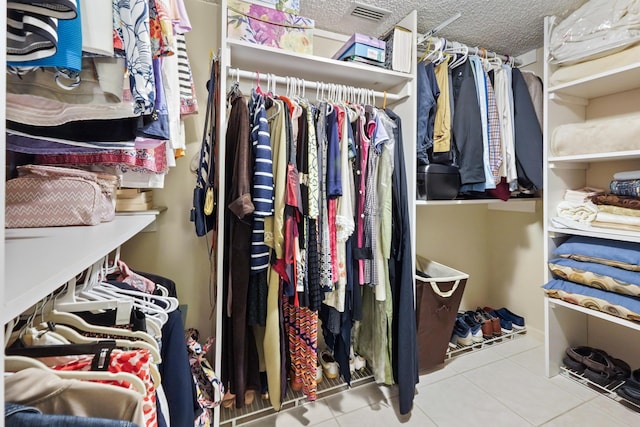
{"x": 596, "y": 365}
{"x": 461, "y": 334}
{"x": 493, "y": 323}
{"x": 329, "y": 365}
{"x": 516, "y": 321}
{"x": 506, "y": 326}
{"x": 468, "y": 317}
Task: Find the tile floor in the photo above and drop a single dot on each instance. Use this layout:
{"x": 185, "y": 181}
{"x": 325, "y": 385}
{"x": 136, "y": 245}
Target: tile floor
{"x": 503, "y": 385}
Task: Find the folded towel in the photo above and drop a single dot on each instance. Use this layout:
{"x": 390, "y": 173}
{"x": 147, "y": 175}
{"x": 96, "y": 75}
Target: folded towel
{"x": 582, "y": 212}
{"x": 625, "y": 175}
{"x": 617, "y": 219}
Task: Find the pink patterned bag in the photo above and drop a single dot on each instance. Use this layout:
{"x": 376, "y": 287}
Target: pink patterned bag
{"x": 50, "y": 196}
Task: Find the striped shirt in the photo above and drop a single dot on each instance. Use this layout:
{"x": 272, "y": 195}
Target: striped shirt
{"x": 262, "y": 191}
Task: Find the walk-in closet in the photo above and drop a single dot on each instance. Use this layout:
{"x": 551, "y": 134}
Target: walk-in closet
{"x": 322, "y": 213}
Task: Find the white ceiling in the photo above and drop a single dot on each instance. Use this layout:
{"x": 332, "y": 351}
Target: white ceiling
{"x": 509, "y": 27}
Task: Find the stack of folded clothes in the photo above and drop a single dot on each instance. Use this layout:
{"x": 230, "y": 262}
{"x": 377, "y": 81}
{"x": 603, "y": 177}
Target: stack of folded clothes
{"x": 599, "y": 274}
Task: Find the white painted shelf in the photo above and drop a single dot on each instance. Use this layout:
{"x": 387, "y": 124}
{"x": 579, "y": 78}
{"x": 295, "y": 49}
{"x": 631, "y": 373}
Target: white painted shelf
{"x": 553, "y": 302}
{"x": 263, "y": 59}
{"x": 516, "y": 204}
{"x": 40, "y": 260}
{"x": 596, "y": 157}
{"x": 600, "y": 233}
{"x": 613, "y": 81}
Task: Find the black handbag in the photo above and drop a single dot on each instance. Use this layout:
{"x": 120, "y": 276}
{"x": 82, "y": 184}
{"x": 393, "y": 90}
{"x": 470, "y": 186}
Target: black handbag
{"x": 204, "y": 203}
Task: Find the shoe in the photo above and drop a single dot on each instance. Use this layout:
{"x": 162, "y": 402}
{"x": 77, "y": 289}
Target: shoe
{"x": 505, "y": 324}
{"x": 319, "y": 374}
{"x": 485, "y": 324}
{"x": 264, "y": 386}
{"x": 360, "y": 362}
{"x": 604, "y": 369}
{"x": 496, "y": 330}
{"x": 516, "y": 321}
{"x": 329, "y": 365}
{"x": 461, "y": 334}
{"x": 476, "y": 327}
{"x": 249, "y": 397}
{"x": 228, "y": 400}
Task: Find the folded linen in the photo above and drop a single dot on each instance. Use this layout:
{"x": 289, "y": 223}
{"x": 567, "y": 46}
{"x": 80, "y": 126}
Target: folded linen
{"x": 582, "y": 212}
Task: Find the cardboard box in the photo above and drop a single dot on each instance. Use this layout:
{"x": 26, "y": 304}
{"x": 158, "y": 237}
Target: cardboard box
{"x": 265, "y": 26}
{"x": 362, "y": 39}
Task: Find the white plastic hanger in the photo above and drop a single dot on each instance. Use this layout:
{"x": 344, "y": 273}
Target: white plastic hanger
{"x": 18, "y": 363}
{"x": 63, "y": 318}
{"x": 75, "y": 337}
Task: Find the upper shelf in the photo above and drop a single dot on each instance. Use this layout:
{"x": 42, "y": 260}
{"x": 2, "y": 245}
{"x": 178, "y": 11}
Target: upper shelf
{"x": 40, "y": 260}
{"x": 266, "y": 59}
{"x": 600, "y": 233}
{"x": 605, "y": 83}
{"x": 596, "y": 157}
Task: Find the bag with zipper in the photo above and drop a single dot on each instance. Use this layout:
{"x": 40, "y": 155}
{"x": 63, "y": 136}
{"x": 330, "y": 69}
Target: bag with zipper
{"x": 51, "y": 196}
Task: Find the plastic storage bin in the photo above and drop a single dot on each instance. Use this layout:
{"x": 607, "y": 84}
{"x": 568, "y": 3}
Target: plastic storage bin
{"x": 437, "y": 301}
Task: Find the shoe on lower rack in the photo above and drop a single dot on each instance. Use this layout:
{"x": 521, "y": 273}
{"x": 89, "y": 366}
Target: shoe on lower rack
{"x": 505, "y": 324}
{"x": 461, "y": 334}
{"x": 496, "y": 330}
{"x": 476, "y": 327}
{"x": 319, "y": 374}
{"x": 516, "y": 321}
{"x": 360, "y": 362}
{"x": 329, "y": 365}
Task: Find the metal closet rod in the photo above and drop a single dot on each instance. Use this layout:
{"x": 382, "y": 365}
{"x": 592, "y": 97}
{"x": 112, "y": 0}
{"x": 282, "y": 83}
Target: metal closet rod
{"x": 475, "y": 50}
{"x": 309, "y": 84}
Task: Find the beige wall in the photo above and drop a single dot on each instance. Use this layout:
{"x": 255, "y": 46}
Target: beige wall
{"x": 174, "y": 250}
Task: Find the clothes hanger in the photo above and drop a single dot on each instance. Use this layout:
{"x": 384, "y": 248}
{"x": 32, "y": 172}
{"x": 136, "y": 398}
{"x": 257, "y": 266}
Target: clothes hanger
{"x": 75, "y": 337}
{"x": 19, "y": 363}
{"x": 69, "y": 319}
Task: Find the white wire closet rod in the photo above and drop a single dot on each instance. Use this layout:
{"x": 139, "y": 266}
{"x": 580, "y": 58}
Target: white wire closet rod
{"x": 294, "y": 82}
{"x": 471, "y": 50}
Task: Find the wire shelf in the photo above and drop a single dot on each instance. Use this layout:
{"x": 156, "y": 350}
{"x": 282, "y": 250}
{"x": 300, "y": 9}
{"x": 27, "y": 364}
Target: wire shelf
{"x": 486, "y": 343}
{"x": 260, "y": 408}
{"x": 608, "y": 390}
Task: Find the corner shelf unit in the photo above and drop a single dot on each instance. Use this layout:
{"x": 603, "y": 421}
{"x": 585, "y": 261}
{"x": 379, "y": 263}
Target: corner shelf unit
{"x": 597, "y": 96}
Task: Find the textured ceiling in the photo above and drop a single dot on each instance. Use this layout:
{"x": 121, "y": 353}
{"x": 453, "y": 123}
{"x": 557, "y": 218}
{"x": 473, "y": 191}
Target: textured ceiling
{"x": 505, "y": 26}
{"x": 508, "y": 27}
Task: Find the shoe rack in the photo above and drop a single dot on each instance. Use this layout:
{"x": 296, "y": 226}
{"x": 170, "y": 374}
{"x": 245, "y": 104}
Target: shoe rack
{"x": 260, "y": 408}
{"x": 459, "y": 350}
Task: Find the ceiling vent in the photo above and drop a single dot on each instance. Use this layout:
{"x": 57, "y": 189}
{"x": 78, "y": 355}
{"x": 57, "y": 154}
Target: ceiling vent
{"x": 371, "y": 13}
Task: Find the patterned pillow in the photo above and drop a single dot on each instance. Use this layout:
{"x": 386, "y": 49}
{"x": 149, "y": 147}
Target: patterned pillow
{"x": 596, "y": 275}
{"x": 618, "y": 305}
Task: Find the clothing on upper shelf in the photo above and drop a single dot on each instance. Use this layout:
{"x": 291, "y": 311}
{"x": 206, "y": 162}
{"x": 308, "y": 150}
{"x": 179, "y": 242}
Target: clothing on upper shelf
{"x": 128, "y": 76}
{"x": 485, "y": 118}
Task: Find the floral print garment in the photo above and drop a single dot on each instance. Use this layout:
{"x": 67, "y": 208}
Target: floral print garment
{"x": 136, "y": 40}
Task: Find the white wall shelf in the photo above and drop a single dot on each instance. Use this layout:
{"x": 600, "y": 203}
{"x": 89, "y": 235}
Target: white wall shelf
{"x": 513, "y": 205}
{"x": 40, "y": 260}
{"x": 597, "y": 157}
{"x": 613, "y": 81}
{"x": 600, "y": 233}
{"x": 265, "y": 59}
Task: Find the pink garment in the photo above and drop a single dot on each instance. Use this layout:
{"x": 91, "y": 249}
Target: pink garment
{"x": 152, "y": 159}
{"x": 134, "y": 279}
{"x": 364, "y": 157}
